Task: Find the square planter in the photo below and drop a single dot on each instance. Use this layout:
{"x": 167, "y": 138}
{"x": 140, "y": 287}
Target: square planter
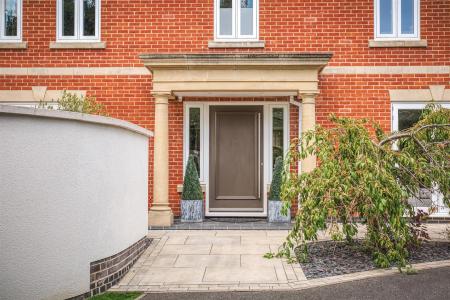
{"x": 191, "y": 211}
{"x": 275, "y": 215}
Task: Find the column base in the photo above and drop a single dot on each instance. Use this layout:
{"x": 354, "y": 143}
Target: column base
{"x": 163, "y": 218}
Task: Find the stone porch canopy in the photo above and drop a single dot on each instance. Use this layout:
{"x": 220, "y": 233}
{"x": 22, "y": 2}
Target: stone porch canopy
{"x": 231, "y": 75}
{"x": 224, "y": 75}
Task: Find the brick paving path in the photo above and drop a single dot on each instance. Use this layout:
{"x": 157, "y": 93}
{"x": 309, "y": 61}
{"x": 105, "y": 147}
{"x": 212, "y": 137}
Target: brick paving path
{"x": 228, "y": 260}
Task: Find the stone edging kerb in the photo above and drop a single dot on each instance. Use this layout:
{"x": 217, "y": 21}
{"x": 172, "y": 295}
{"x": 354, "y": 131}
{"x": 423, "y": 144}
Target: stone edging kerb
{"x": 72, "y": 116}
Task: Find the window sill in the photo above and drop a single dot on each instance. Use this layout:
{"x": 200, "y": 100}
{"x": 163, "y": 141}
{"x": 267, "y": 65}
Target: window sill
{"x": 77, "y": 45}
{"x": 234, "y": 44}
{"x": 13, "y": 45}
{"x": 397, "y": 44}
{"x": 180, "y": 188}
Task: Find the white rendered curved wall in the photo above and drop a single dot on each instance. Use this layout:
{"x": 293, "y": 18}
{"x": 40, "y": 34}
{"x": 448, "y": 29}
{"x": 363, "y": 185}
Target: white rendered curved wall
{"x": 71, "y": 192}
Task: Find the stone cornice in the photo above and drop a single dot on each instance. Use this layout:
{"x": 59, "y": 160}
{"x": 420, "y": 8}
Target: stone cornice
{"x": 252, "y": 60}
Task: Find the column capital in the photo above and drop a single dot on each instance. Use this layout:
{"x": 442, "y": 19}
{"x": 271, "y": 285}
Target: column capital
{"x": 161, "y": 97}
{"x": 308, "y": 97}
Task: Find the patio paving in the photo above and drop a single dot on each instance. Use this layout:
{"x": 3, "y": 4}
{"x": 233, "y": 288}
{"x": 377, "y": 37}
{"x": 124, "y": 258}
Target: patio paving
{"x": 210, "y": 259}
{"x": 227, "y": 260}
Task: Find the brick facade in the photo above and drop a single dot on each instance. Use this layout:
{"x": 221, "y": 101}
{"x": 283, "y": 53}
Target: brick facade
{"x": 130, "y": 28}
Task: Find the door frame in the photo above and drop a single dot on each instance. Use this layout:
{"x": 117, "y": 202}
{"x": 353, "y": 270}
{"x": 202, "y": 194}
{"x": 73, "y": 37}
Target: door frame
{"x": 267, "y": 144}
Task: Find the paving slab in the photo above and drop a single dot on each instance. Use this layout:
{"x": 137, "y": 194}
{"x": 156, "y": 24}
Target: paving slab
{"x": 254, "y": 260}
{"x": 172, "y": 275}
{"x": 176, "y": 240}
{"x": 223, "y": 261}
{"x": 216, "y": 240}
{"x": 165, "y": 260}
{"x": 241, "y": 275}
{"x": 239, "y": 249}
{"x": 186, "y": 249}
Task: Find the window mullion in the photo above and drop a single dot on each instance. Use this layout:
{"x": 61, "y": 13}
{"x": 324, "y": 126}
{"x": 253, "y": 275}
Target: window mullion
{"x": 236, "y": 6}
{"x": 2, "y": 24}
{"x": 397, "y": 18}
{"x": 80, "y": 12}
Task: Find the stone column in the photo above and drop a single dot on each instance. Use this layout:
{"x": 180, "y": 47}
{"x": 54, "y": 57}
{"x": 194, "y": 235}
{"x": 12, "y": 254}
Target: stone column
{"x": 308, "y": 123}
{"x": 160, "y": 213}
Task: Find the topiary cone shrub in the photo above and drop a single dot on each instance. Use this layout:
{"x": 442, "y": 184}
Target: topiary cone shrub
{"x": 275, "y": 186}
{"x": 278, "y": 213}
{"x": 192, "y": 196}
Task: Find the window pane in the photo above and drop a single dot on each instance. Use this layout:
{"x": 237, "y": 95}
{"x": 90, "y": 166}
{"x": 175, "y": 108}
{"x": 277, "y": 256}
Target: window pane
{"x": 408, "y": 117}
{"x": 226, "y": 17}
{"x": 386, "y": 17}
{"x": 407, "y": 14}
{"x": 68, "y": 15}
{"x": 89, "y": 17}
{"x": 194, "y": 135}
{"x": 246, "y": 17}
{"x": 10, "y": 17}
{"x": 277, "y": 134}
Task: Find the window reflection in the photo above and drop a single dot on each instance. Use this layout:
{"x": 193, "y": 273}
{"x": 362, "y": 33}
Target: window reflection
{"x": 277, "y": 134}
{"x": 194, "y": 135}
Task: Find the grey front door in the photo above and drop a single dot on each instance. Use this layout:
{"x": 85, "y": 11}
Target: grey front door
{"x": 236, "y": 153}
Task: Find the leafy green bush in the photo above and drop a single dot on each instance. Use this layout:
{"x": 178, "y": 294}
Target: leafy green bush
{"x": 277, "y": 177}
{"x": 191, "y": 185}
{"x": 74, "y": 103}
{"x": 366, "y": 177}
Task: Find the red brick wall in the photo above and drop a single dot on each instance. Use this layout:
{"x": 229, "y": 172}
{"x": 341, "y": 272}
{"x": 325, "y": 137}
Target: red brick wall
{"x": 147, "y": 26}
{"x": 367, "y": 96}
{"x": 130, "y": 28}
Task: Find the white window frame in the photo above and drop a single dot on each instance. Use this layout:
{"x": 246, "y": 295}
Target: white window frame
{"x": 409, "y": 105}
{"x": 187, "y": 106}
{"x": 3, "y": 37}
{"x": 79, "y": 23}
{"x": 436, "y": 198}
{"x": 236, "y": 23}
{"x": 397, "y": 22}
{"x": 285, "y": 108}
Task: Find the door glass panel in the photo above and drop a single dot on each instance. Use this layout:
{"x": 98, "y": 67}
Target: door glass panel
{"x": 10, "y": 18}
{"x": 68, "y": 15}
{"x": 89, "y": 17}
{"x": 407, "y": 15}
{"x": 226, "y": 17}
{"x": 246, "y": 17}
{"x": 194, "y": 135}
{"x": 386, "y": 17}
{"x": 277, "y": 134}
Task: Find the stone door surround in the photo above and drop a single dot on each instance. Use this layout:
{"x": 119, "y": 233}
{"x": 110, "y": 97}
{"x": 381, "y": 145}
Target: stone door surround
{"x": 225, "y": 75}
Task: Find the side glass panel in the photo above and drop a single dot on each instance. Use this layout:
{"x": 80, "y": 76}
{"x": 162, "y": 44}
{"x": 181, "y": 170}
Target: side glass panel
{"x": 407, "y": 16}
{"x": 277, "y": 134}
{"x": 68, "y": 15}
{"x": 226, "y": 17}
{"x": 194, "y": 135}
{"x": 386, "y": 17}
{"x": 89, "y": 17}
{"x": 408, "y": 117}
{"x": 11, "y": 18}
{"x": 246, "y": 17}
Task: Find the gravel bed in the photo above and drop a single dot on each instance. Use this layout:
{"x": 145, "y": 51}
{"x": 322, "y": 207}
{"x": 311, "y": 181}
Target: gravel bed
{"x": 331, "y": 258}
